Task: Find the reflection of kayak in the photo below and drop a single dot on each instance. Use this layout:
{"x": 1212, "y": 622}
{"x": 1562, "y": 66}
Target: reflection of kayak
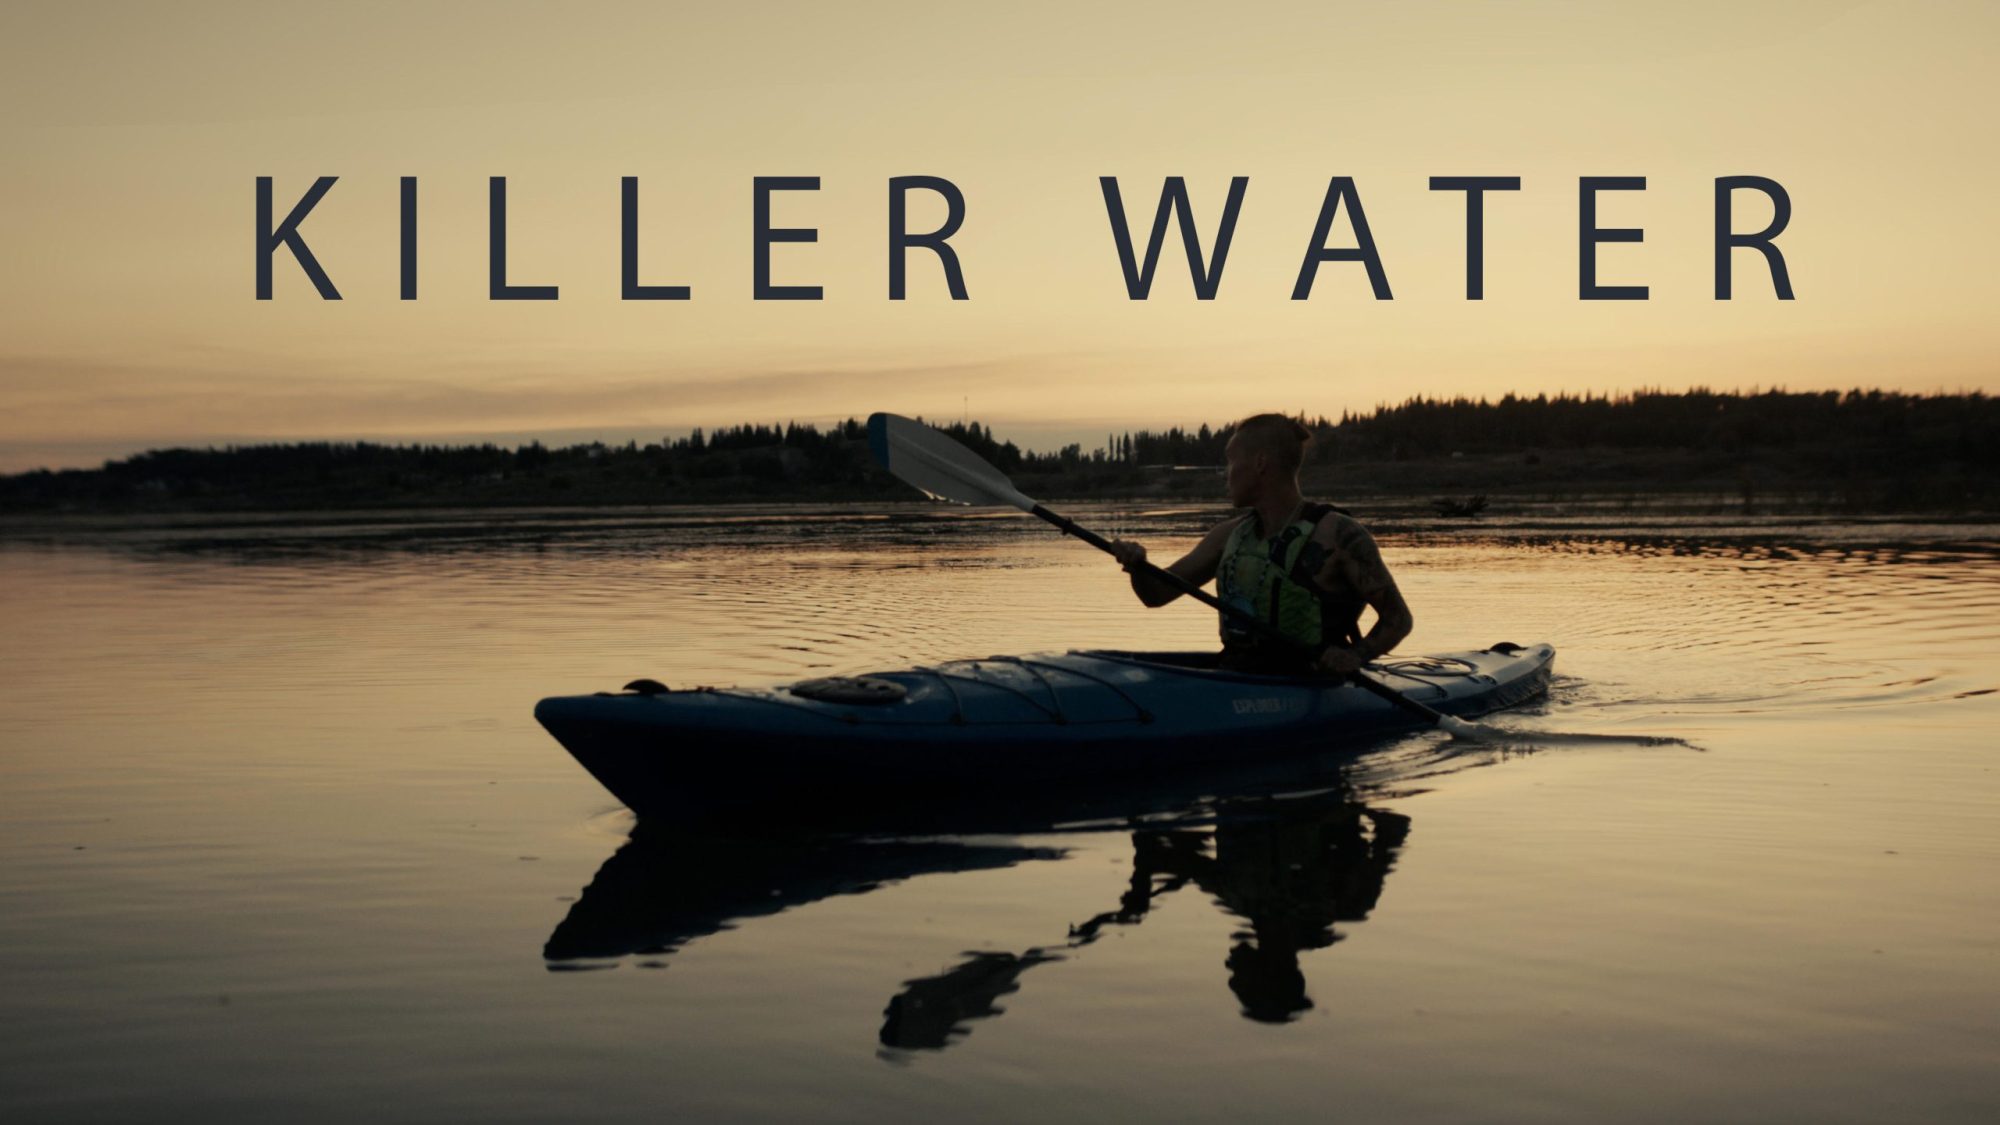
{"x": 1009, "y": 721}
{"x": 657, "y": 893}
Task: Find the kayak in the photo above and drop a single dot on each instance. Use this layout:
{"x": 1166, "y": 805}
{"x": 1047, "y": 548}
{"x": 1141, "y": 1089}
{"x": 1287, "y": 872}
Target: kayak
{"x": 975, "y": 727}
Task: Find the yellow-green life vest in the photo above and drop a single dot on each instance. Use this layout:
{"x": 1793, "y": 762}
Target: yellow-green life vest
{"x": 1272, "y": 578}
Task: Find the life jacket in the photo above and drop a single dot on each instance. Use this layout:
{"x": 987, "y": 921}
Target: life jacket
{"x": 1272, "y": 578}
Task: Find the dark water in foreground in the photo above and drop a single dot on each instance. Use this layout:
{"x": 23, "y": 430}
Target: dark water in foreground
{"x": 281, "y": 840}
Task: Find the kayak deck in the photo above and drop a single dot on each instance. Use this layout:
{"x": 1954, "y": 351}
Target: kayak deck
{"x": 1002, "y": 722}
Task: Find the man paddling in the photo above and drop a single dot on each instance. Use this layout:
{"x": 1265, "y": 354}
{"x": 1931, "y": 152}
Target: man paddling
{"x": 1307, "y": 569}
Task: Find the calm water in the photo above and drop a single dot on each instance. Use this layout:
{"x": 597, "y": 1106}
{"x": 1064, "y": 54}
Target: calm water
{"x": 281, "y": 839}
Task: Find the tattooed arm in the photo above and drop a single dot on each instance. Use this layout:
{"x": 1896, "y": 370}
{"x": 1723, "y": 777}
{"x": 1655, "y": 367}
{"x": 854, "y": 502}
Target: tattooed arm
{"x": 1197, "y": 566}
{"x": 1354, "y": 562}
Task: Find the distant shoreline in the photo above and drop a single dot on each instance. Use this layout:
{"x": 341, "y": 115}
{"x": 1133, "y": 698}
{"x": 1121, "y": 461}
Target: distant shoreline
{"x": 1858, "y": 452}
{"x": 1698, "y": 482}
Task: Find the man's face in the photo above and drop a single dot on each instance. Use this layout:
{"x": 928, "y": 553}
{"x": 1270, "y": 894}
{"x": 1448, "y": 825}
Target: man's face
{"x": 1243, "y": 472}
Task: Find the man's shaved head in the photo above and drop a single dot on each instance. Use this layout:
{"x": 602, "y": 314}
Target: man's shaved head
{"x": 1283, "y": 439}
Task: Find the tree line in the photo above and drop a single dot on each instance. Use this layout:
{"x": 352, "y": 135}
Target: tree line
{"x": 1853, "y": 431}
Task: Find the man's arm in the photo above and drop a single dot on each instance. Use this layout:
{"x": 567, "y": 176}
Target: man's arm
{"x": 1196, "y": 567}
{"x": 1354, "y": 560}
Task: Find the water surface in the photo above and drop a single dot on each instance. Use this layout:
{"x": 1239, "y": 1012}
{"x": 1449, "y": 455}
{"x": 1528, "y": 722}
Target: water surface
{"x": 282, "y": 840}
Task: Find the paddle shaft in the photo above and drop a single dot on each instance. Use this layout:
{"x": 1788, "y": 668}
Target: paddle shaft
{"x": 1070, "y": 527}
{"x": 1238, "y": 613}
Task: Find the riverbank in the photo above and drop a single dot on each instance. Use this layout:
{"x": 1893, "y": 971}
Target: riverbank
{"x": 1685, "y": 482}
{"x": 1862, "y": 451}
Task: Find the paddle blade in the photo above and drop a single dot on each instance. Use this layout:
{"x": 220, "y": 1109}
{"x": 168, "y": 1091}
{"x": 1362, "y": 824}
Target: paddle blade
{"x": 937, "y": 466}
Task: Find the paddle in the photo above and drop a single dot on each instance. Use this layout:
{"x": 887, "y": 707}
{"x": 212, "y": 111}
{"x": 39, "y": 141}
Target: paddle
{"x": 936, "y": 465}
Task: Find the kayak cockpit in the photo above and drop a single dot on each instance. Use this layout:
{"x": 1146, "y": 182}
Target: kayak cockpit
{"x": 1209, "y": 664}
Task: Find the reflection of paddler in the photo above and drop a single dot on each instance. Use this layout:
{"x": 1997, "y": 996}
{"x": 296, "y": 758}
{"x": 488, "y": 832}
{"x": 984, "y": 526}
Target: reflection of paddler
{"x": 1291, "y": 869}
{"x": 1292, "y": 880}
{"x": 1291, "y": 877}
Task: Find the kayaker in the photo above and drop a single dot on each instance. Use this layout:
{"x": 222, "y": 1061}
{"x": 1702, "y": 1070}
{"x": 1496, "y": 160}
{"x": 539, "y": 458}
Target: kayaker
{"x": 1308, "y": 569}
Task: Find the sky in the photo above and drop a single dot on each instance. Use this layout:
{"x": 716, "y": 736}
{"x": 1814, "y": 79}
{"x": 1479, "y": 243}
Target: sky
{"x": 135, "y": 135}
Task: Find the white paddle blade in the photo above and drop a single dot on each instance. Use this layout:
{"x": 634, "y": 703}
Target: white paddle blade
{"x": 937, "y": 466}
{"x": 1460, "y": 729}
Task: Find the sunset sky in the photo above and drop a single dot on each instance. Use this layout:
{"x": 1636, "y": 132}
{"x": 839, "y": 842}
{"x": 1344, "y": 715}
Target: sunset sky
{"x": 134, "y": 135}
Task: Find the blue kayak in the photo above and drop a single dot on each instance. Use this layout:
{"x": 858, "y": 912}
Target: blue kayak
{"x": 971, "y": 727}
